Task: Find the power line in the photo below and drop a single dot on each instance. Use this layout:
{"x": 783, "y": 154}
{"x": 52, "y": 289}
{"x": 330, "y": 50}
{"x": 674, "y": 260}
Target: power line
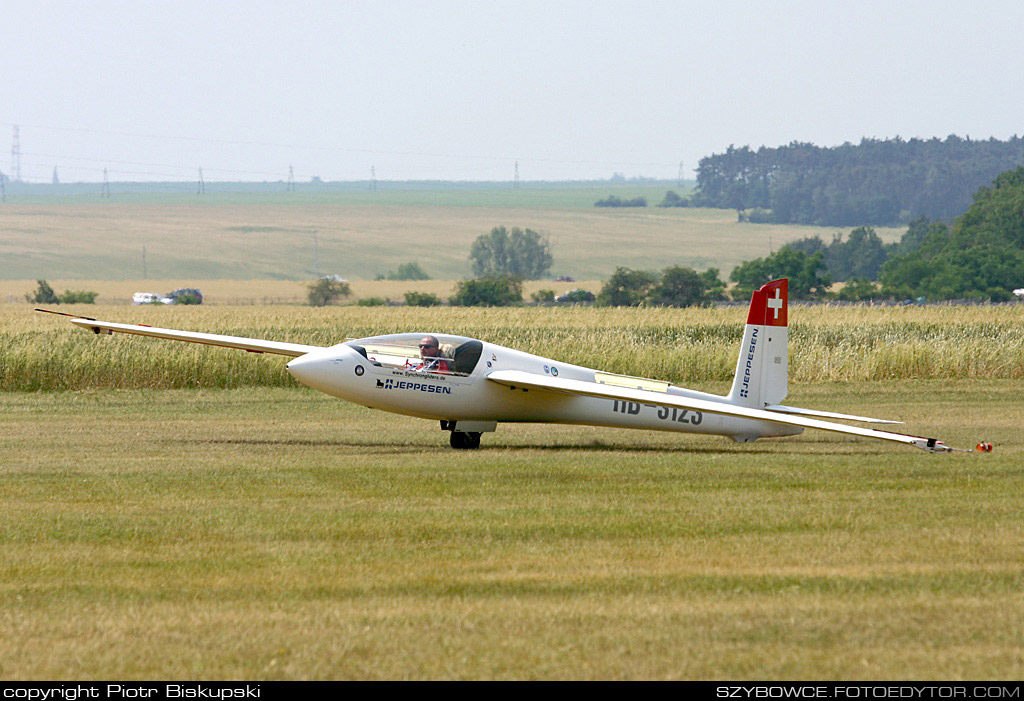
{"x": 309, "y": 147}
{"x": 145, "y": 163}
{"x": 16, "y": 155}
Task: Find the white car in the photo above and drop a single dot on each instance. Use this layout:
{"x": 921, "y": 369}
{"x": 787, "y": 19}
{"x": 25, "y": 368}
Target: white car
{"x": 1019, "y": 292}
{"x": 147, "y": 298}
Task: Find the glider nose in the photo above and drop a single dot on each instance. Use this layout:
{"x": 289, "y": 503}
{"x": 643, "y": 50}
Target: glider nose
{"x": 315, "y": 369}
{"x": 338, "y": 371}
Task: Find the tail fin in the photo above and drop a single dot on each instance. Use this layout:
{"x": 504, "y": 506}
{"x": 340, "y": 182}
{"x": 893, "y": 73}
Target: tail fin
{"x": 762, "y": 371}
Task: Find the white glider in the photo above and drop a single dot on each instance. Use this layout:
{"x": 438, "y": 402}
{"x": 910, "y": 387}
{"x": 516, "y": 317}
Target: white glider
{"x": 470, "y": 386}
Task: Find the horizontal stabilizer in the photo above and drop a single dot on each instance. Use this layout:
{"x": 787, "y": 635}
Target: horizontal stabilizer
{"x": 519, "y": 378}
{"x": 826, "y": 414}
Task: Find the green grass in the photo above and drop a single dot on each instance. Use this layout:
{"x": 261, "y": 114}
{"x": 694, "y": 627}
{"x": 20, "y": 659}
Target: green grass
{"x": 278, "y": 533}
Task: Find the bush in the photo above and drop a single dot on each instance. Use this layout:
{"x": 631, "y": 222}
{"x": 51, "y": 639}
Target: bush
{"x": 79, "y": 297}
{"x": 44, "y": 294}
{"x": 672, "y": 199}
{"x": 324, "y": 291}
{"x": 406, "y": 271}
{"x": 859, "y": 289}
{"x": 492, "y": 291}
{"x": 422, "y": 299}
{"x": 372, "y": 302}
{"x": 577, "y": 296}
{"x": 757, "y": 215}
{"x": 188, "y": 298}
{"x": 627, "y": 288}
{"x": 543, "y": 296}
{"x": 675, "y": 286}
{"x": 613, "y": 201}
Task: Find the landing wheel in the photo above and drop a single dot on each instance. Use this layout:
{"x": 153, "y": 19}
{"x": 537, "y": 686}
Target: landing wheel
{"x": 464, "y": 441}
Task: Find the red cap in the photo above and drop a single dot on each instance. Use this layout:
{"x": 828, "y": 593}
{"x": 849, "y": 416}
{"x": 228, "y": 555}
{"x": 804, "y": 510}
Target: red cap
{"x": 769, "y": 305}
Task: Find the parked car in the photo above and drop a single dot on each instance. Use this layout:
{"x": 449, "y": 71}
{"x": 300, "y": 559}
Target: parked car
{"x": 185, "y": 295}
{"x": 147, "y": 298}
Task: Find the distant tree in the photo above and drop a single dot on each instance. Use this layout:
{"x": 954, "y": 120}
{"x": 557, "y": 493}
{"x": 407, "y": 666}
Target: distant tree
{"x": 714, "y": 285}
{"x": 79, "y": 297}
{"x": 861, "y": 255}
{"x": 324, "y": 291}
{"x": 809, "y": 245}
{"x": 371, "y": 302}
{"x": 187, "y": 298}
{"x": 679, "y": 287}
{"x": 488, "y": 291}
{"x": 406, "y": 271}
{"x": 577, "y": 296}
{"x": 44, "y": 294}
{"x": 982, "y": 257}
{"x": 914, "y": 237}
{"x": 613, "y": 201}
{"x": 672, "y": 199}
{"x": 422, "y": 299}
{"x": 859, "y": 289}
{"x": 875, "y": 182}
{"x": 522, "y": 254}
{"x": 808, "y": 275}
{"x": 543, "y": 296}
{"x": 627, "y": 288}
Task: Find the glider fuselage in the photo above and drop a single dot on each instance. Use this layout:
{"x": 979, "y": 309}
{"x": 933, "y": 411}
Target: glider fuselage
{"x": 384, "y": 378}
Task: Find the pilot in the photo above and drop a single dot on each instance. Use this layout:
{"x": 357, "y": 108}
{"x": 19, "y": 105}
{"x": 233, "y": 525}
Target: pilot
{"x": 431, "y": 359}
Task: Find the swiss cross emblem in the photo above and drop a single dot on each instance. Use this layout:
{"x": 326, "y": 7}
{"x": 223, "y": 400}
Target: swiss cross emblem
{"x": 775, "y": 303}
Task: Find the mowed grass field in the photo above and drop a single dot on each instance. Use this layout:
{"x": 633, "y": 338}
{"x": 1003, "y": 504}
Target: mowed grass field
{"x": 276, "y": 533}
{"x": 155, "y": 526}
{"x": 362, "y": 234}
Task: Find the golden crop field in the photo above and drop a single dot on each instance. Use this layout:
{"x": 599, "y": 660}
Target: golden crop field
{"x": 688, "y": 346}
{"x": 272, "y": 238}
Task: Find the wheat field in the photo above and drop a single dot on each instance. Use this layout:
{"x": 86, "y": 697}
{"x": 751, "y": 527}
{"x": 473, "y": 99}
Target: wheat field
{"x": 694, "y": 347}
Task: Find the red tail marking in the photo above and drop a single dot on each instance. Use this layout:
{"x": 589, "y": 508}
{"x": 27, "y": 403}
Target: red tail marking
{"x": 769, "y": 306}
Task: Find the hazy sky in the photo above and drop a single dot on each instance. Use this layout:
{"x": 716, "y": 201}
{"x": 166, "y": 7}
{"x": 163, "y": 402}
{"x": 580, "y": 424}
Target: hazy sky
{"x": 461, "y": 90}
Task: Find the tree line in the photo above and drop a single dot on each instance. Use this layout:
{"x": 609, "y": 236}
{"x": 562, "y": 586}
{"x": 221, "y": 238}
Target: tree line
{"x": 979, "y": 257}
{"x": 876, "y": 182}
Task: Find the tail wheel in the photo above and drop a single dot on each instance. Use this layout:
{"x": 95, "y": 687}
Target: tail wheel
{"x": 464, "y": 441}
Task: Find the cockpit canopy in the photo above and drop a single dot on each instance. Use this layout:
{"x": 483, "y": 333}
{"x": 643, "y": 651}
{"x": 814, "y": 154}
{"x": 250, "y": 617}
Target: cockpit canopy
{"x": 402, "y": 350}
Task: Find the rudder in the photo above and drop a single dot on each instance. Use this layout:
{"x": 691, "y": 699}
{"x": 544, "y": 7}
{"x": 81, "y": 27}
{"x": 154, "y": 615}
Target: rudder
{"x": 762, "y": 370}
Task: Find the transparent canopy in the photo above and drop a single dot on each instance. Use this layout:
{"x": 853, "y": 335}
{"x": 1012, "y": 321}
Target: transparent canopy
{"x": 460, "y": 355}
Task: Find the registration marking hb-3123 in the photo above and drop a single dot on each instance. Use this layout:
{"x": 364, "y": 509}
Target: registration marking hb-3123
{"x": 683, "y": 416}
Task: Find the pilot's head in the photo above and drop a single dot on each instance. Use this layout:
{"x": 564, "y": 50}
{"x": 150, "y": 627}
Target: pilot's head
{"x": 429, "y": 347}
